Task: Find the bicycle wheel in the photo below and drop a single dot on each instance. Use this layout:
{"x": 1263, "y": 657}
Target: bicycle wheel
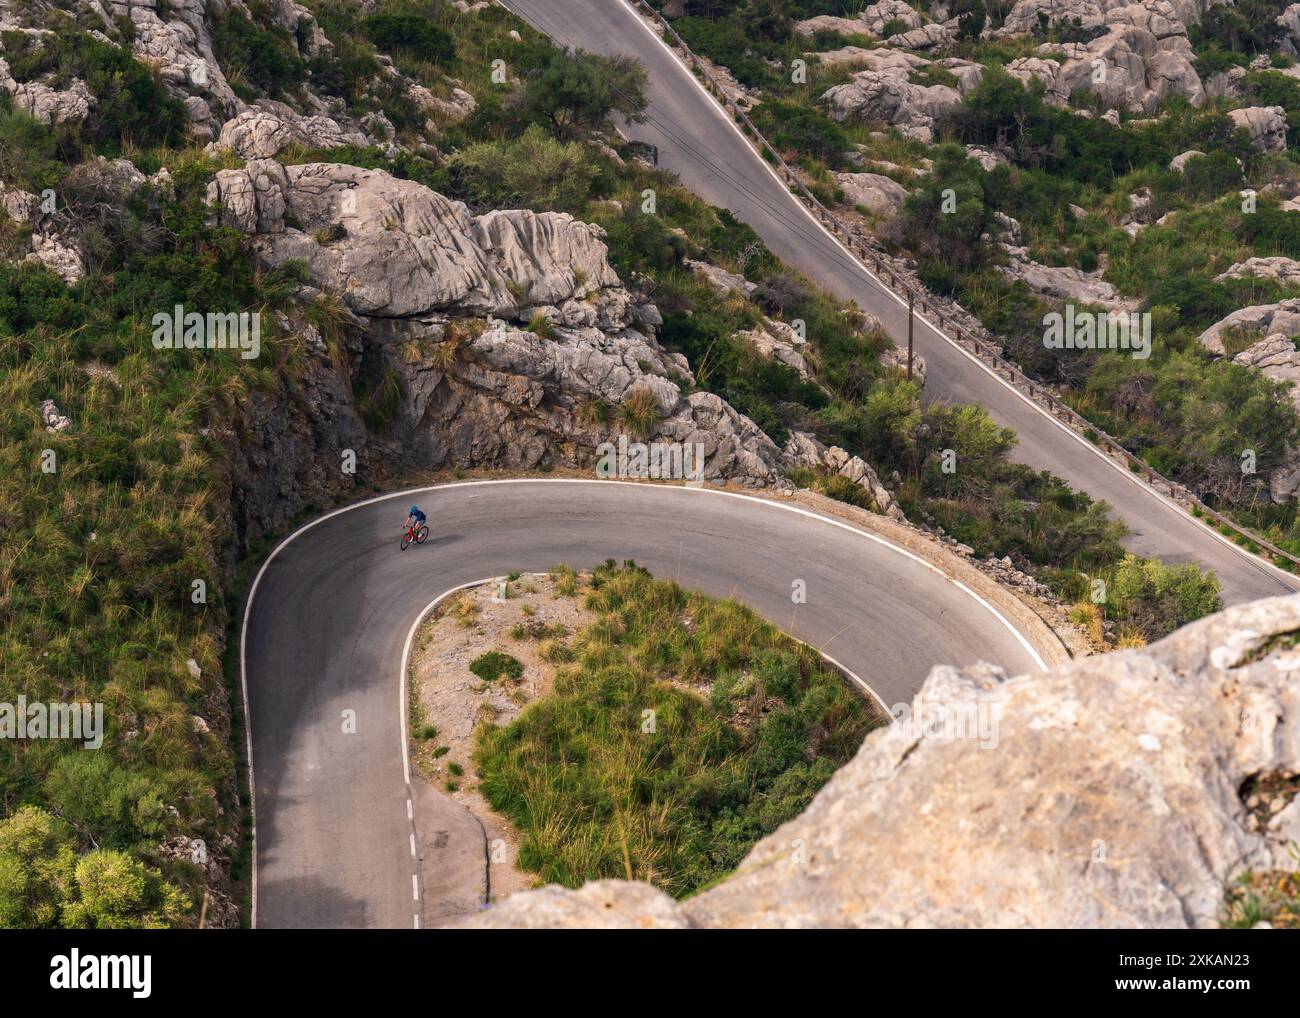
{"x": 406, "y": 540}
{"x": 422, "y": 536}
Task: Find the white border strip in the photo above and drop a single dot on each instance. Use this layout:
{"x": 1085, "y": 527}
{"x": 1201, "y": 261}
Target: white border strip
{"x": 888, "y": 292}
{"x": 252, "y": 594}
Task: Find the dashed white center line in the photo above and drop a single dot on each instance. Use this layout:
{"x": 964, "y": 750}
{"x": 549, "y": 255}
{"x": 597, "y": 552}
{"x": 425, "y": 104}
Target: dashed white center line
{"x": 410, "y": 815}
{"x": 412, "y": 846}
{"x": 415, "y": 888}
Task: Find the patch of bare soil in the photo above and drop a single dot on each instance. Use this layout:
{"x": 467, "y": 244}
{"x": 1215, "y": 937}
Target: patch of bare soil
{"x": 448, "y": 700}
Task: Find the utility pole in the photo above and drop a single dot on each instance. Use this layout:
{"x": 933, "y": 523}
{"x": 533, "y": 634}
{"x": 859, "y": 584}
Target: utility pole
{"x": 910, "y": 321}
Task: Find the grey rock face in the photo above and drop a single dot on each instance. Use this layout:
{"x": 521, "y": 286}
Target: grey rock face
{"x": 896, "y": 358}
{"x": 267, "y": 130}
{"x": 63, "y": 259}
{"x": 871, "y": 21}
{"x": 721, "y": 280}
{"x": 1266, "y": 126}
{"x": 880, "y": 194}
{"x": 51, "y": 106}
{"x": 883, "y": 60}
{"x": 1289, "y": 21}
{"x": 1282, "y": 270}
{"x": 1264, "y": 319}
{"x": 1130, "y": 67}
{"x": 407, "y": 250}
{"x": 777, "y": 341}
{"x": 1024, "y": 18}
{"x": 53, "y": 418}
{"x": 434, "y": 291}
{"x": 600, "y": 905}
{"x": 1027, "y": 70}
{"x": 1179, "y": 162}
{"x": 1062, "y": 283}
{"x": 889, "y": 99}
{"x": 1101, "y": 794}
{"x": 878, "y": 15}
{"x": 988, "y": 158}
{"x": 804, "y": 450}
{"x": 1275, "y": 356}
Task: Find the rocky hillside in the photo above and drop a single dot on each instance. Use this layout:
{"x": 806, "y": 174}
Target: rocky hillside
{"x": 1129, "y": 790}
{"x": 451, "y": 271}
{"x": 454, "y": 264}
{"x": 510, "y": 338}
{"x": 1024, "y": 155}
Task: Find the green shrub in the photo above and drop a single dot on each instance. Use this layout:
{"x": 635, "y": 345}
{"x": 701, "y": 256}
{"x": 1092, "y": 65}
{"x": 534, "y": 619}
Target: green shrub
{"x": 256, "y": 56}
{"x": 414, "y": 34}
{"x": 492, "y": 665}
{"x": 43, "y": 882}
{"x": 130, "y": 106}
{"x": 577, "y": 92}
{"x": 533, "y": 171}
{"x": 1154, "y": 598}
{"x": 595, "y": 792}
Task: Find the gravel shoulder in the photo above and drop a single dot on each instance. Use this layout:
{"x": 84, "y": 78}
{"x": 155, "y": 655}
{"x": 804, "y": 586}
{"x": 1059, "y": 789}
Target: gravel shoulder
{"x": 448, "y": 696}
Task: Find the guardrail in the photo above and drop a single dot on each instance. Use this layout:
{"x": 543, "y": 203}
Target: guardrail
{"x": 952, "y": 330}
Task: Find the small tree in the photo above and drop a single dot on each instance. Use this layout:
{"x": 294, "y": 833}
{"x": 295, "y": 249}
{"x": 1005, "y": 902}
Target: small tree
{"x": 578, "y": 91}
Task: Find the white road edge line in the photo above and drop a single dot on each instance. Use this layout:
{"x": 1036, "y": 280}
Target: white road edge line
{"x": 406, "y": 765}
{"x": 861, "y": 266}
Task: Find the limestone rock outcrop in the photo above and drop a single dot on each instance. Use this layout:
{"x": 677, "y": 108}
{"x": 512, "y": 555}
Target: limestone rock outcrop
{"x": 779, "y": 342}
{"x": 804, "y": 450}
{"x": 403, "y": 250}
{"x": 1277, "y": 268}
{"x": 1266, "y": 126}
{"x": 267, "y": 129}
{"x": 1062, "y": 282}
{"x": 1262, "y": 319}
{"x": 879, "y": 194}
{"x": 871, "y": 21}
{"x": 888, "y": 98}
{"x": 444, "y": 296}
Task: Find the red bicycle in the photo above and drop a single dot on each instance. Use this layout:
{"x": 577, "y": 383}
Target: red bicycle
{"x": 418, "y": 535}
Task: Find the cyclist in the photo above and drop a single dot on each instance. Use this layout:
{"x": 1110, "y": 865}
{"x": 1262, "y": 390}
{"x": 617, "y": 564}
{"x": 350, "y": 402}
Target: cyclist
{"x": 415, "y": 519}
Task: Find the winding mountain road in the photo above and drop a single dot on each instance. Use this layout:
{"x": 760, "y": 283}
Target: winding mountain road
{"x": 339, "y": 835}
{"x": 700, "y": 143}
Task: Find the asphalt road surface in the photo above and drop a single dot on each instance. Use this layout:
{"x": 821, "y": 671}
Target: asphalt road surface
{"x": 330, "y": 613}
{"x": 698, "y": 142}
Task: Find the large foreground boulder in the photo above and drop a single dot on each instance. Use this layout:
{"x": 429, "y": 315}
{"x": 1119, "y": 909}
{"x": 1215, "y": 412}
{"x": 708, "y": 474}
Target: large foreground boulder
{"x": 1121, "y": 790}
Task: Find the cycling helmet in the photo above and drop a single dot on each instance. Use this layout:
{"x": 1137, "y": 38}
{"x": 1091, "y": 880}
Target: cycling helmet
{"x": 414, "y": 509}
